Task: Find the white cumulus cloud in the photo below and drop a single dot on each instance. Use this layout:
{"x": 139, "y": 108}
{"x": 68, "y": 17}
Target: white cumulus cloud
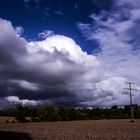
{"x": 45, "y": 34}
{"x": 58, "y": 71}
{"x": 16, "y": 100}
{"x": 118, "y": 38}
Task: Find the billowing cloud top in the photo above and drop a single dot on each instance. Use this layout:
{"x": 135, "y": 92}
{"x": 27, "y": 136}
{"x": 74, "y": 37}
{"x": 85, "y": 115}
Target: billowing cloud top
{"x": 57, "y": 71}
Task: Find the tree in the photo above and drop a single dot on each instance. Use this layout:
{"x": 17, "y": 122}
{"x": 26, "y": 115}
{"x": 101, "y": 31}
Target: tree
{"x": 21, "y": 113}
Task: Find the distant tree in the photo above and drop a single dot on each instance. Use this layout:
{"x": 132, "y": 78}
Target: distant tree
{"x": 42, "y": 113}
{"x": 114, "y": 107}
{"x": 53, "y": 113}
{"x": 48, "y": 113}
{"x": 21, "y": 113}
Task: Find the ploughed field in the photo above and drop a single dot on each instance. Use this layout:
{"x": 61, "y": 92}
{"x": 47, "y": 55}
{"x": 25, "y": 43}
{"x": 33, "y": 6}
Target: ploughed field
{"x": 72, "y": 130}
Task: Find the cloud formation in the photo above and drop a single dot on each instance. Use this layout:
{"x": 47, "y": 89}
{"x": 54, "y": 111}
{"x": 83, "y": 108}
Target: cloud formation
{"x": 118, "y": 37}
{"x": 57, "y": 71}
{"x": 15, "y": 100}
{"x": 45, "y": 34}
{"x": 54, "y": 70}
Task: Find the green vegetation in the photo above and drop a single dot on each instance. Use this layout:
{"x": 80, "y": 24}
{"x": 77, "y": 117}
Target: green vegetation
{"x": 53, "y": 113}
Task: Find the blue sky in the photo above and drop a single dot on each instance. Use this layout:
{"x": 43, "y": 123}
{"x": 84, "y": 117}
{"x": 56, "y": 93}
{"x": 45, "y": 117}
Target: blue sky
{"x": 69, "y": 52}
{"x": 28, "y": 12}
{"x": 60, "y": 16}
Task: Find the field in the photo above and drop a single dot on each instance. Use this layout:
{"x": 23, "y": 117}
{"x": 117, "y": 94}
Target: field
{"x": 4, "y": 119}
{"x": 73, "y": 130}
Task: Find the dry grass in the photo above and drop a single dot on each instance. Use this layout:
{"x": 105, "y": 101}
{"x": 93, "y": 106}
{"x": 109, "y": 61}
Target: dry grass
{"x": 78, "y": 130}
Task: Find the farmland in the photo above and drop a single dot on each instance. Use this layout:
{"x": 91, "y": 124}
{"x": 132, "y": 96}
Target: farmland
{"x": 77, "y": 130}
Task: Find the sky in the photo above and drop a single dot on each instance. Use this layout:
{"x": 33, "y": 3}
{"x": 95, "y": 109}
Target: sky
{"x": 73, "y": 53}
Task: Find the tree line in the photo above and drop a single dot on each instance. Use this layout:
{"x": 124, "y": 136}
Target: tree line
{"x": 54, "y": 113}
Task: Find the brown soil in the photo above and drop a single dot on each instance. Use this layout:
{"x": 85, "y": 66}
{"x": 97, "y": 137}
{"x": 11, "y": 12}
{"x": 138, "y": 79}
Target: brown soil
{"x": 77, "y": 130}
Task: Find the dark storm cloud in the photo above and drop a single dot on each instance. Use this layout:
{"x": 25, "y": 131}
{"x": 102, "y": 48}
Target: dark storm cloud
{"x": 30, "y": 73}
{"x": 57, "y": 71}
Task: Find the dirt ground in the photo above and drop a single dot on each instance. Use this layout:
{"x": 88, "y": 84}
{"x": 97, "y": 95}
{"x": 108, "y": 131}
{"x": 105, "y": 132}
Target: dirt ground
{"x": 6, "y": 119}
{"x": 76, "y": 130}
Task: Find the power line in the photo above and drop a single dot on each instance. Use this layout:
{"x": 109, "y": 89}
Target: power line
{"x": 130, "y": 89}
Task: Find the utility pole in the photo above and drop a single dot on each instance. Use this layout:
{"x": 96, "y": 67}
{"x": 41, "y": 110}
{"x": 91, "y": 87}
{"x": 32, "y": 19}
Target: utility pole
{"x": 130, "y": 89}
